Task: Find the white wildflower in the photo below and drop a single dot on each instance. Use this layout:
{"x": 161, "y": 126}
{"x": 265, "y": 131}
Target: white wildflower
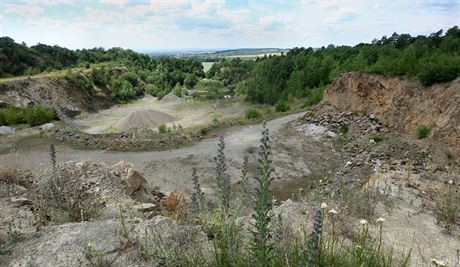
{"x": 372, "y": 141}
{"x": 381, "y": 220}
{"x": 348, "y": 163}
{"x": 323, "y": 205}
{"x": 439, "y": 262}
{"x": 363, "y": 222}
{"x": 333, "y": 211}
{"x": 451, "y": 181}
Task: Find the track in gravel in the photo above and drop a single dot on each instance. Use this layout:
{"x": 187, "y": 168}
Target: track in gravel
{"x": 296, "y": 158}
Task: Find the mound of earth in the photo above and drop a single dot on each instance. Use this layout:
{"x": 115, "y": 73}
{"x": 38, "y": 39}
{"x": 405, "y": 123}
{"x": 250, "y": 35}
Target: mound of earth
{"x": 171, "y": 99}
{"x": 400, "y": 104}
{"x": 143, "y": 119}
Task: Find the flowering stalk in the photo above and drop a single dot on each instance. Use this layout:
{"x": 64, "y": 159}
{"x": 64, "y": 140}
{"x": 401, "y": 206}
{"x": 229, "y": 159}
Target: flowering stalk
{"x": 198, "y": 195}
{"x": 261, "y": 247}
{"x": 313, "y": 249}
{"x": 223, "y": 180}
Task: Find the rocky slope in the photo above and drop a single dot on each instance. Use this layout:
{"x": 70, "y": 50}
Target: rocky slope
{"x": 401, "y": 104}
{"x": 68, "y": 99}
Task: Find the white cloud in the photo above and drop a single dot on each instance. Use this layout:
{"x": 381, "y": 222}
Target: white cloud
{"x": 114, "y": 2}
{"x": 207, "y": 23}
{"x": 23, "y": 9}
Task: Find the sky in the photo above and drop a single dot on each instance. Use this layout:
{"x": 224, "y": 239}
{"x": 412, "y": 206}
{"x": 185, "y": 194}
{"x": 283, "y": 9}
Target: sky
{"x": 188, "y": 24}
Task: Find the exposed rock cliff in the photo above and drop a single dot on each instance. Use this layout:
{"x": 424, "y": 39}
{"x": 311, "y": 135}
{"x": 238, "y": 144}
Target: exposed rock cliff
{"x": 68, "y": 99}
{"x": 401, "y": 104}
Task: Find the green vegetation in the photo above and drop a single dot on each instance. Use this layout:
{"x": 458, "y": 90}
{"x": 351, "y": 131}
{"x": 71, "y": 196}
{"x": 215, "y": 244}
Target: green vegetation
{"x": 433, "y": 59}
{"x": 230, "y": 71}
{"x": 301, "y": 72}
{"x": 124, "y": 73}
{"x": 422, "y": 131}
{"x": 282, "y": 106}
{"x": 252, "y": 114}
{"x": 344, "y": 129}
{"x": 377, "y": 138}
{"x": 80, "y": 80}
{"x": 39, "y": 115}
{"x": 314, "y": 96}
{"x": 162, "y": 128}
{"x": 31, "y": 115}
{"x": 211, "y": 88}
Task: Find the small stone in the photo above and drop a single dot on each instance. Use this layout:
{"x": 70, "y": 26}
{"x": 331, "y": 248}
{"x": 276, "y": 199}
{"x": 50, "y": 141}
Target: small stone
{"x": 20, "y": 201}
{"x": 47, "y": 126}
{"x": 145, "y": 207}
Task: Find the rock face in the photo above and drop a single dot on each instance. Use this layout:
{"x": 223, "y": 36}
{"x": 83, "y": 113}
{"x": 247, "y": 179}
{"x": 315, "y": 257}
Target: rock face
{"x": 400, "y": 104}
{"x": 67, "y": 99}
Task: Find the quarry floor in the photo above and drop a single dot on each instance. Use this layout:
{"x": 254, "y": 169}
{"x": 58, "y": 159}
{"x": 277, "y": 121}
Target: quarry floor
{"x": 298, "y": 160}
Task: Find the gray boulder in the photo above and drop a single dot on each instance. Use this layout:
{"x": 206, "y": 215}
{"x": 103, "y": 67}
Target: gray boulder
{"x": 5, "y": 130}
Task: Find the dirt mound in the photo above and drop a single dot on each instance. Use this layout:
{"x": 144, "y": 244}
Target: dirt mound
{"x": 171, "y": 99}
{"x": 401, "y": 104}
{"x": 143, "y": 119}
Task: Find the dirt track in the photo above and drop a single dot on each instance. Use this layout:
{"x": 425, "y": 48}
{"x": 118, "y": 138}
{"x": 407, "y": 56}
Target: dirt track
{"x": 296, "y": 161}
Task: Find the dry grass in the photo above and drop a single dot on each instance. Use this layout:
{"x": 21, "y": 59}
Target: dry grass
{"x": 447, "y": 201}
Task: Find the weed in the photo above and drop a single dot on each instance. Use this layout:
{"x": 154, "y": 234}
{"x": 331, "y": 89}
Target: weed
{"x": 222, "y": 177}
{"x": 448, "y": 206}
{"x": 204, "y": 131}
{"x": 376, "y": 138}
{"x": 344, "y": 129}
{"x": 198, "y": 200}
{"x": 422, "y": 131}
{"x": 252, "y": 114}
{"x": 282, "y": 106}
{"x": 261, "y": 247}
{"x": 162, "y": 128}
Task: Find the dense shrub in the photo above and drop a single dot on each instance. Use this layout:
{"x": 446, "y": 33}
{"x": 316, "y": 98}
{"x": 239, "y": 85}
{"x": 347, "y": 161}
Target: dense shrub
{"x": 282, "y": 106}
{"x": 11, "y": 116}
{"x": 422, "y": 131}
{"x": 314, "y": 97}
{"x": 31, "y": 115}
{"x": 252, "y": 114}
{"x": 162, "y": 128}
{"x": 39, "y": 115}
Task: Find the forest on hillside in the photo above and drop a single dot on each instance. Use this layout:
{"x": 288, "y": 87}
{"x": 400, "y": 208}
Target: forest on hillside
{"x": 301, "y": 72}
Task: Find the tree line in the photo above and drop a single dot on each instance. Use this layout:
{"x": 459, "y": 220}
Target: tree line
{"x": 301, "y": 72}
{"x": 304, "y": 71}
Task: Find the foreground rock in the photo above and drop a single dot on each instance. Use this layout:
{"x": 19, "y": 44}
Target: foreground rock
{"x": 107, "y": 242}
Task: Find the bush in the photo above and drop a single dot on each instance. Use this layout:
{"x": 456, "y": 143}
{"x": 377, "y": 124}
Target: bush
{"x": 213, "y": 88}
{"x": 39, "y": 115}
{"x": 162, "y": 128}
{"x": 422, "y": 131}
{"x": 344, "y": 128}
{"x": 204, "y": 131}
{"x": 11, "y": 116}
{"x": 31, "y": 115}
{"x": 252, "y": 114}
{"x": 377, "y": 138}
{"x": 282, "y": 106}
{"x": 314, "y": 97}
